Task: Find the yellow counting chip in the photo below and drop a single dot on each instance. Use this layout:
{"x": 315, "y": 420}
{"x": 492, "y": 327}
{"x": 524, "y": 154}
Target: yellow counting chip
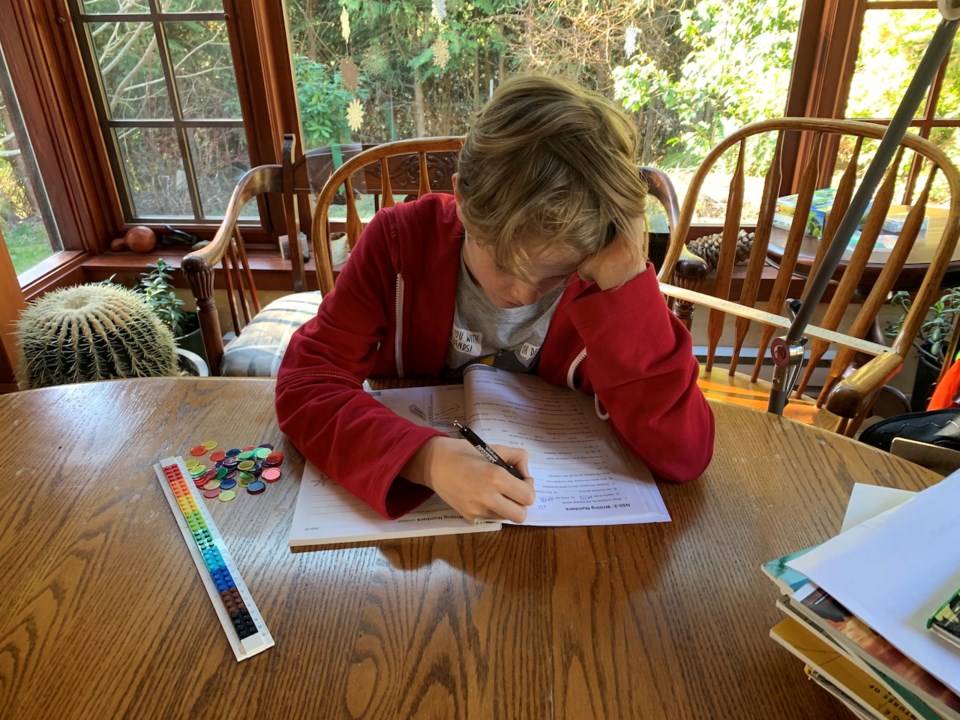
{"x": 212, "y": 485}
{"x": 227, "y": 495}
{"x": 191, "y": 463}
{"x": 210, "y": 444}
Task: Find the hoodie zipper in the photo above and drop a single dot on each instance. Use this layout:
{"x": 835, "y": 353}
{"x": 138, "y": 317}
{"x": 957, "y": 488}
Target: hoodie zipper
{"x": 398, "y": 330}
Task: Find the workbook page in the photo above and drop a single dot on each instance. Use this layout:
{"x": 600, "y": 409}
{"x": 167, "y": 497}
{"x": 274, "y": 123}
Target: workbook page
{"x": 582, "y": 473}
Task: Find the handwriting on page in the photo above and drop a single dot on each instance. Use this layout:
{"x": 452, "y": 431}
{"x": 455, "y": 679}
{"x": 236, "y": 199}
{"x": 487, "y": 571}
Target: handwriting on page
{"x": 582, "y": 474}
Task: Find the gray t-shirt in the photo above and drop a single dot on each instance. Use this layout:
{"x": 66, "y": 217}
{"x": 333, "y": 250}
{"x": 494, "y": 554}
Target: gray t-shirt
{"x": 507, "y": 338}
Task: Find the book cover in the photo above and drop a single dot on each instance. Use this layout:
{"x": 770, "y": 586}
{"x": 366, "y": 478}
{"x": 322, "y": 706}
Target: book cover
{"x": 870, "y": 694}
{"x": 893, "y": 572}
{"x": 870, "y": 502}
{"x": 856, "y": 709}
{"x": 945, "y": 622}
{"x": 816, "y": 607}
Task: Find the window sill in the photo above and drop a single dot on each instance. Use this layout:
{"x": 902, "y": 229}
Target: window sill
{"x": 270, "y": 271}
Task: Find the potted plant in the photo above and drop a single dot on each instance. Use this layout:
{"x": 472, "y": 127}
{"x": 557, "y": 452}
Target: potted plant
{"x": 157, "y": 286}
{"x": 934, "y": 338}
{"x": 92, "y": 332}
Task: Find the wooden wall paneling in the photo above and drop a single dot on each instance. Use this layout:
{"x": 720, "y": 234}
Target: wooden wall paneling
{"x": 264, "y": 68}
{"x": 826, "y": 51}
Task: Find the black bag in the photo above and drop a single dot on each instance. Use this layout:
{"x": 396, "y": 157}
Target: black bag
{"x": 935, "y": 427}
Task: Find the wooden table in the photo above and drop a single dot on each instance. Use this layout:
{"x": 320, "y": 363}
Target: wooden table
{"x": 914, "y": 269}
{"x": 104, "y": 615}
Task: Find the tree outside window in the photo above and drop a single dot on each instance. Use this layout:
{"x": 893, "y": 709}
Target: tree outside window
{"x": 25, "y": 219}
{"x": 689, "y": 72}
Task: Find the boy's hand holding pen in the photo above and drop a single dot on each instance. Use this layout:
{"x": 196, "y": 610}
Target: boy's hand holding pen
{"x": 471, "y": 437}
{"x": 478, "y": 485}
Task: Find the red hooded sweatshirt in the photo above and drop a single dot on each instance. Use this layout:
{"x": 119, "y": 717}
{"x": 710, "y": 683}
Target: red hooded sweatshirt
{"x": 391, "y": 316}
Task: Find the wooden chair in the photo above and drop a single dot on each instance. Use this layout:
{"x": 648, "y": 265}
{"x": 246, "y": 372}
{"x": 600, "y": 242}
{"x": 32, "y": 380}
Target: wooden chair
{"x": 282, "y": 193}
{"x": 409, "y": 169}
{"x": 370, "y": 177}
{"x": 388, "y": 173}
{"x": 860, "y": 367}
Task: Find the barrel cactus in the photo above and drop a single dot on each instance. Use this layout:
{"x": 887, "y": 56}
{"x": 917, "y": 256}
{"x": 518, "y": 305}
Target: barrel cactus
{"x": 92, "y": 332}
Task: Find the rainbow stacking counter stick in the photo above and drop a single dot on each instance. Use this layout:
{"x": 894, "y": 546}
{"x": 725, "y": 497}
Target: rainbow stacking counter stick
{"x": 245, "y": 629}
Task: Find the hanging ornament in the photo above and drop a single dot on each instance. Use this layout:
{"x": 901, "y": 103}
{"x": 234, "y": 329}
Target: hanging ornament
{"x": 441, "y": 53}
{"x": 355, "y": 115}
{"x": 345, "y": 25}
{"x": 349, "y": 74}
{"x": 373, "y": 62}
{"x": 439, "y": 11}
{"x": 630, "y": 42}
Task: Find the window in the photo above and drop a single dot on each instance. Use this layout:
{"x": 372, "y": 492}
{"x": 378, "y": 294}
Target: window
{"x": 892, "y": 41}
{"x": 26, "y": 222}
{"x": 167, "y": 101}
{"x": 688, "y": 72}
{"x": 182, "y": 95}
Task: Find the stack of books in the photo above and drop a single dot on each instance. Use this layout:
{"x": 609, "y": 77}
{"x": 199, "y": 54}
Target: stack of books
{"x": 874, "y": 613}
{"x": 821, "y": 206}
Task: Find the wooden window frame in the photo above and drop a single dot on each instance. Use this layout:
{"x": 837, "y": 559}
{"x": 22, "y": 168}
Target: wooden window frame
{"x": 59, "y": 110}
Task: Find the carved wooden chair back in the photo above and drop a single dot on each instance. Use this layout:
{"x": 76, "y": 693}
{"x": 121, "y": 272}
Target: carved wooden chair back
{"x": 383, "y": 175}
{"x": 860, "y": 286}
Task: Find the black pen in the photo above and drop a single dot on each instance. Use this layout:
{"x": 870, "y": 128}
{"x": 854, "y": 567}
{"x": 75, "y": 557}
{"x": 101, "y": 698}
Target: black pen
{"x": 471, "y": 437}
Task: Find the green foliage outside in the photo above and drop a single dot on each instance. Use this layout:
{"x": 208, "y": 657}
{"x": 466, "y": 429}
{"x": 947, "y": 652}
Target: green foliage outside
{"x": 22, "y": 229}
{"x": 696, "y": 71}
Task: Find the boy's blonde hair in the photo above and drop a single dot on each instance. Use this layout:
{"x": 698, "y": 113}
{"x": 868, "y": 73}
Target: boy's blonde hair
{"x": 549, "y": 161}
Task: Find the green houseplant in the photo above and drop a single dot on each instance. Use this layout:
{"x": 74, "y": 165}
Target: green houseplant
{"x": 156, "y": 285}
{"x": 933, "y": 340}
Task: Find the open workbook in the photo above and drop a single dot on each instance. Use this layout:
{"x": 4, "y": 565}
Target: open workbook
{"x": 582, "y": 473}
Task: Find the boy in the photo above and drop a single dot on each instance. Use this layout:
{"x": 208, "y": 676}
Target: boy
{"x": 537, "y": 263}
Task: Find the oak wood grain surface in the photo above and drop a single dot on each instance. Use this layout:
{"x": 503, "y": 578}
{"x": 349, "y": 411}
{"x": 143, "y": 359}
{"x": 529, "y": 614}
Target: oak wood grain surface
{"x": 104, "y": 614}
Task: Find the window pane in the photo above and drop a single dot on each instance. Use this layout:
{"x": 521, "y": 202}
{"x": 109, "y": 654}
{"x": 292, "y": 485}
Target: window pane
{"x": 948, "y": 140}
{"x": 688, "y": 72}
{"x": 191, "y": 5}
{"x": 130, "y": 71}
{"x": 220, "y": 157}
{"x": 153, "y": 123}
{"x": 891, "y": 45}
{"x": 948, "y": 102}
{"x": 155, "y": 177}
{"x": 203, "y": 67}
{"x": 116, "y": 6}
{"x": 26, "y": 221}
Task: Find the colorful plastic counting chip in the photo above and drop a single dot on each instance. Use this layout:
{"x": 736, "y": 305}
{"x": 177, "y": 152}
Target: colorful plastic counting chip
{"x": 270, "y": 475}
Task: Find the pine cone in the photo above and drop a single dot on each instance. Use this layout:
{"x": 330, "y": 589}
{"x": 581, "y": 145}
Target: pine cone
{"x": 708, "y": 248}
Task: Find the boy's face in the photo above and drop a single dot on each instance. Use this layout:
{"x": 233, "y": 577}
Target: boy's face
{"x": 548, "y": 268}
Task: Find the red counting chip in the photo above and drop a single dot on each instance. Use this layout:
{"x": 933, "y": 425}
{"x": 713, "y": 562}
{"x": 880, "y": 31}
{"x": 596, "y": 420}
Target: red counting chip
{"x": 217, "y": 455}
{"x": 274, "y": 458}
{"x": 211, "y": 494}
{"x": 270, "y": 474}
{"x": 198, "y": 450}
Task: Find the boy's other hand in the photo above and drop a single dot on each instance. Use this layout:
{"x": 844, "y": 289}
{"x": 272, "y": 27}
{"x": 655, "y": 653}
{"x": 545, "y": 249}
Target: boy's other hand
{"x": 620, "y": 261}
{"x": 471, "y": 484}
